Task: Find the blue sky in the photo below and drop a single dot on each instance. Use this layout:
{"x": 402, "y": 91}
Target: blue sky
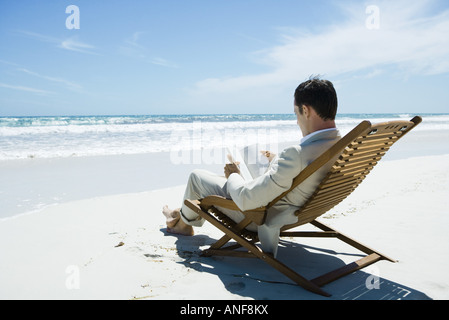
{"x": 221, "y": 56}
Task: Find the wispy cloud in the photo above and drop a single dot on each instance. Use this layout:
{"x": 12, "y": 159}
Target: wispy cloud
{"x": 26, "y": 89}
{"x": 38, "y": 36}
{"x": 131, "y": 48}
{"x": 8, "y": 63}
{"x": 162, "y": 62}
{"x": 134, "y": 40}
{"x": 410, "y": 41}
{"x": 134, "y": 49}
{"x": 70, "y": 44}
{"x": 68, "y": 84}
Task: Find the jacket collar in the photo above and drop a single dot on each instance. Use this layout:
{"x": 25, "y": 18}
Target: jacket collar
{"x": 326, "y": 134}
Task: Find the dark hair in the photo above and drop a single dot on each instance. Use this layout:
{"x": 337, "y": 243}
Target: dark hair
{"x": 318, "y": 94}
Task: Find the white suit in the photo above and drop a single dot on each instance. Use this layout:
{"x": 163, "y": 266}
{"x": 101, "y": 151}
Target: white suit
{"x": 263, "y": 189}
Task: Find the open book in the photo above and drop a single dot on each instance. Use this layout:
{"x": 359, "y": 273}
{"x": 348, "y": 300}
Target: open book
{"x": 252, "y": 162}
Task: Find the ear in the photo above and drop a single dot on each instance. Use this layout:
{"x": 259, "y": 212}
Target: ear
{"x": 306, "y": 110}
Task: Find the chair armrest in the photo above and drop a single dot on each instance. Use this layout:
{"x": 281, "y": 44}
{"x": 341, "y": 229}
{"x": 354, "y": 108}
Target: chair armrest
{"x": 257, "y": 215}
{"x": 222, "y": 202}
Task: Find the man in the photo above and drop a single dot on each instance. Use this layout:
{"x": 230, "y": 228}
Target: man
{"x": 315, "y": 106}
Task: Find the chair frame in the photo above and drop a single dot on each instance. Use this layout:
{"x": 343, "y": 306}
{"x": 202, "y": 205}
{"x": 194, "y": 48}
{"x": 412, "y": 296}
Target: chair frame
{"x": 357, "y": 153}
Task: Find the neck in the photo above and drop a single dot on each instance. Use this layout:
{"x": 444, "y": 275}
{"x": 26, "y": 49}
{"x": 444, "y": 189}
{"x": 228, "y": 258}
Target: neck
{"x": 319, "y": 125}
{"x": 328, "y": 124}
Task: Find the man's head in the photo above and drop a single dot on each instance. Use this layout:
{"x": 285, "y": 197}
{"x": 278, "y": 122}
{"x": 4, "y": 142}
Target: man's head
{"x": 320, "y": 95}
{"x": 315, "y": 105}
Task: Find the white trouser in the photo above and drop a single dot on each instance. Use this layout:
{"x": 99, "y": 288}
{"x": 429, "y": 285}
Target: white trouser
{"x": 202, "y": 184}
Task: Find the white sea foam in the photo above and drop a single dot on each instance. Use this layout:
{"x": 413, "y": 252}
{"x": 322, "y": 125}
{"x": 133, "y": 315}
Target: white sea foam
{"x": 49, "y": 137}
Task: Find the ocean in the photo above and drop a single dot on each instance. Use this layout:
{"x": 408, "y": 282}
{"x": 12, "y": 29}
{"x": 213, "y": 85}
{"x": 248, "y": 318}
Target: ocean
{"x": 49, "y": 160}
{"x": 81, "y": 136}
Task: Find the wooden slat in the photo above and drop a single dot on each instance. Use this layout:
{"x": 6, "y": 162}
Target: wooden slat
{"x": 395, "y": 126}
{"x": 311, "y": 211}
{"x": 356, "y": 158}
{"x": 337, "y": 181}
{"x": 360, "y": 153}
{"x": 350, "y": 159}
{"x": 358, "y": 164}
{"x": 335, "y": 192}
{"x": 317, "y": 210}
{"x": 360, "y": 147}
{"x": 324, "y": 204}
{"x": 373, "y": 139}
{"x": 335, "y": 174}
{"x": 372, "y": 148}
{"x": 354, "y": 173}
{"x": 313, "y": 205}
{"x": 317, "y": 203}
{"x": 335, "y": 177}
{"x": 338, "y": 186}
{"x": 346, "y": 156}
{"x": 360, "y": 168}
{"x": 378, "y": 135}
{"x": 363, "y": 142}
{"x": 332, "y": 193}
{"x": 369, "y": 146}
{"x": 326, "y": 197}
{"x": 340, "y": 194}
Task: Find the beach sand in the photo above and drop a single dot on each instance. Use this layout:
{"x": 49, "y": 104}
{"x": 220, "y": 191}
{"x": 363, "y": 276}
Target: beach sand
{"x": 109, "y": 241}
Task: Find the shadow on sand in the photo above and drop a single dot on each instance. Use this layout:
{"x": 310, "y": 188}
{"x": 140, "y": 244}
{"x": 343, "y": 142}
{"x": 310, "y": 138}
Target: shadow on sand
{"x": 254, "y": 279}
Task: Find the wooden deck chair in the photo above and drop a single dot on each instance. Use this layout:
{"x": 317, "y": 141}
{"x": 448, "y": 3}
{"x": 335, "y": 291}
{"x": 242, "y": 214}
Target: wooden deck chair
{"x": 358, "y": 152}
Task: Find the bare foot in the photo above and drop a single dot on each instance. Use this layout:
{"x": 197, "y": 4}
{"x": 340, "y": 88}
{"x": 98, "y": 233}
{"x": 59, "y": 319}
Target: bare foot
{"x": 182, "y": 229}
{"x": 175, "y": 224}
{"x": 172, "y": 216}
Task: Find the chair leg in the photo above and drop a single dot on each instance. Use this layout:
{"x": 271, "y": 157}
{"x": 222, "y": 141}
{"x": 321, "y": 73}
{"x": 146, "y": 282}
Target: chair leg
{"x": 256, "y": 251}
{"x": 345, "y": 270}
{"x": 372, "y": 255}
{"x": 351, "y": 241}
{"x": 225, "y": 239}
{"x": 298, "y": 279}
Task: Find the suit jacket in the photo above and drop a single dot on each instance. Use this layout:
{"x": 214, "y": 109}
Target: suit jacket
{"x": 278, "y": 179}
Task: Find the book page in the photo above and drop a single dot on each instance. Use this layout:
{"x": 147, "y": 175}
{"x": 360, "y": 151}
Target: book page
{"x": 252, "y": 163}
{"x": 256, "y": 162}
{"x": 237, "y": 157}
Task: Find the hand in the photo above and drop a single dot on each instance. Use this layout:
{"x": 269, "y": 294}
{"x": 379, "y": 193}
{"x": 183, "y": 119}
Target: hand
{"x": 269, "y": 155}
{"x": 231, "y": 168}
